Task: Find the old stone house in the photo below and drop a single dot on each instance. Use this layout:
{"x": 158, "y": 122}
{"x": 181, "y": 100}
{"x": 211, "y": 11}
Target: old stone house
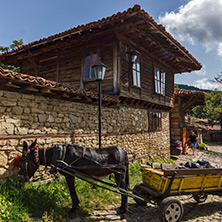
{"x": 57, "y": 100}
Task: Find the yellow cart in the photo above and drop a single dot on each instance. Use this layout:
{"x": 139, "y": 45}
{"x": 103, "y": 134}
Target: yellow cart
{"x": 160, "y": 186}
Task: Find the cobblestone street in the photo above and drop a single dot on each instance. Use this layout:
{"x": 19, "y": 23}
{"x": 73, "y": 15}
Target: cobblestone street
{"x": 209, "y": 211}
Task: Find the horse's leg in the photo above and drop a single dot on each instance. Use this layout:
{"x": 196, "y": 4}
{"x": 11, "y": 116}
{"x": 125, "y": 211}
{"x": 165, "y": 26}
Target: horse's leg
{"x": 75, "y": 200}
{"x": 124, "y": 199}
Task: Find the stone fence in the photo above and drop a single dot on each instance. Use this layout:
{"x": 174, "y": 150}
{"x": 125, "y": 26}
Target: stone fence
{"x": 51, "y": 121}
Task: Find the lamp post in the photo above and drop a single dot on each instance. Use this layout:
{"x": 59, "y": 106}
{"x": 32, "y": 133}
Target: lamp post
{"x": 100, "y": 70}
{"x": 133, "y": 55}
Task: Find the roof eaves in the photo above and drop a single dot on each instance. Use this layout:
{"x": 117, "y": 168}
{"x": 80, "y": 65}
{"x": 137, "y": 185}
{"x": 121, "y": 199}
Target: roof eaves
{"x": 120, "y": 15}
{"x": 40, "y": 82}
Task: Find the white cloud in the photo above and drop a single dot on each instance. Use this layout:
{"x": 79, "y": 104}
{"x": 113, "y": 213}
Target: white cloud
{"x": 207, "y": 84}
{"x": 197, "y": 21}
{"x": 219, "y": 49}
{"x": 201, "y": 72}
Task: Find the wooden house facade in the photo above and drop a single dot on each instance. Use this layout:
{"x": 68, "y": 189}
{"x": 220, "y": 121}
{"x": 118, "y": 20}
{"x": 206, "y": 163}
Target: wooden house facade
{"x": 144, "y": 87}
{"x": 184, "y": 102}
{"x": 68, "y": 57}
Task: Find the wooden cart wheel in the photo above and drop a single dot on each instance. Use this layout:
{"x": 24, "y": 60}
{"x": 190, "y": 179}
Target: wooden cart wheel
{"x": 138, "y": 191}
{"x": 200, "y": 198}
{"x": 170, "y": 210}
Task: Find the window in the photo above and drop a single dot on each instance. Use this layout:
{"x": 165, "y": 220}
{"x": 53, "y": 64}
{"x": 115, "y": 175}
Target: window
{"x": 90, "y": 60}
{"x": 136, "y": 73}
{"x": 159, "y": 81}
{"x": 155, "y": 120}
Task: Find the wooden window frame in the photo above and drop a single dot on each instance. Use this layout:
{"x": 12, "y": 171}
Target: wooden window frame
{"x": 136, "y": 73}
{"x": 90, "y": 53}
{"x": 154, "y": 120}
{"x": 159, "y": 81}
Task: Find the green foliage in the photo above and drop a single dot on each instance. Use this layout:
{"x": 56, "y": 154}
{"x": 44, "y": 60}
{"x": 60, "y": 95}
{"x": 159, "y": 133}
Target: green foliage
{"x": 199, "y": 112}
{"x": 51, "y": 202}
{"x": 176, "y": 86}
{"x": 187, "y": 87}
{"x": 4, "y": 49}
{"x": 10, "y": 67}
{"x": 214, "y": 108}
{"x": 156, "y": 160}
{"x": 21, "y": 202}
{"x": 15, "y": 44}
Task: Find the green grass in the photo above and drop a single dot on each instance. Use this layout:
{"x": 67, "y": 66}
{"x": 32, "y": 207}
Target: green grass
{"x": 156, "y": 160}
{"x": 51, "y": 202}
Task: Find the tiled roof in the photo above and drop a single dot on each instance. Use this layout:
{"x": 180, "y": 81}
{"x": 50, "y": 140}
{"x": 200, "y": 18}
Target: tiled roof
{"x": 211, "y": 128}
{"x": 190, "y": 98}
{"x": 188, "y": 92}
{"x": 119, "y": 17}
{"x": 18, "y": 79}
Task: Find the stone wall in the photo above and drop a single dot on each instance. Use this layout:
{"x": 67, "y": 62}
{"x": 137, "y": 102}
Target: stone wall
{"x": 212, "y": 136}
{"x": 26, "y": 117}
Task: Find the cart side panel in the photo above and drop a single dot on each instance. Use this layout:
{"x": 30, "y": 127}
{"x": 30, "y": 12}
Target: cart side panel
{"x": 155, "y": 181}
{"x": 181, "y": 184}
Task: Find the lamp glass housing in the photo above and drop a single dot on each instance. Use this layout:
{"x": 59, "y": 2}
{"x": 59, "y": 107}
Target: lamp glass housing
{"x": 100, "y": 70}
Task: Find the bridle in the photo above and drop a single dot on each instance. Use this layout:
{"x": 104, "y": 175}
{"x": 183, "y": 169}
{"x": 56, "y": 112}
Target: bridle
{"x": 28, "y": 161}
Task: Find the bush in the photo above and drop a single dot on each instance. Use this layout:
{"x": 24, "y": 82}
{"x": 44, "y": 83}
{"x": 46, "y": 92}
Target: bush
{"x": 202, "y": 146}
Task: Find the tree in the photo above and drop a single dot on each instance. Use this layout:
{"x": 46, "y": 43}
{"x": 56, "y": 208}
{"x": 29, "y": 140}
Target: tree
{"x": 176, "y": 86}
{"x": 15, "y": 44}
{"x": 10, "y": 67}
{"x": 214, "y": 108}
{"x": 4, "y": 49}
{"x": 218, "y": 78}
{"x": 199, "y": 112}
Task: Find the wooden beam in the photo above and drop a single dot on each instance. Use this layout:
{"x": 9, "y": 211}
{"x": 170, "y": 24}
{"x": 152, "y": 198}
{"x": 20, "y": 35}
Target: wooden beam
{"x": 3, "y": 80}
{"x": 47, "y": 59}
{"x": 46, "y": 90}
{"x": 11, "y": 84}
{"x": 31, "y": 88}
{"x": 142, "y": 49}
{"x": 57, "y": 67}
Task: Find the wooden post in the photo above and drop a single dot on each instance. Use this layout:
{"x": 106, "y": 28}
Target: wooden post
{"x": 183, "y": 138}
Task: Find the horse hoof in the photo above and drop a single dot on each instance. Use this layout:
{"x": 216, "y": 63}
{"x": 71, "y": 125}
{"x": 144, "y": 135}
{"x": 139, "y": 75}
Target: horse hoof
{"x": 73, "y": 210}
{"x": 122, "y": 216}
{"x": 121, "y": 211}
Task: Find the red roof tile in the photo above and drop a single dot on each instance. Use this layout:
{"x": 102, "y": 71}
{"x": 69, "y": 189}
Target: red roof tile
{"x": 136, "y": 10}
{"x": 188, "y": 92}
{"x": 43, "y": 83}
{"x": 198, "y": 97}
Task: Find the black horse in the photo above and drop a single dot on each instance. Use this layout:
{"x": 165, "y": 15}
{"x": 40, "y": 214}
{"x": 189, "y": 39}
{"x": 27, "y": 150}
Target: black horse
{"x": 96, "y": 162}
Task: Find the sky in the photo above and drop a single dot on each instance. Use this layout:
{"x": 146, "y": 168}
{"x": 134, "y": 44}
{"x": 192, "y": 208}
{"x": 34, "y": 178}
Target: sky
{"x": 196, "y": 24}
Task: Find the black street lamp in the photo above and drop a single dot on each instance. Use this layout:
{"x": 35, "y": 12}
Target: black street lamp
{"x": 133, "y": 55}
{"x": 100, "y": 70}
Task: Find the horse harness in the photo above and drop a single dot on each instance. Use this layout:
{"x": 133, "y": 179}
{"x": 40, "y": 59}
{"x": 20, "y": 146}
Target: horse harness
{"x": 36, "y": 161}
{"x": 59, "y": 154}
